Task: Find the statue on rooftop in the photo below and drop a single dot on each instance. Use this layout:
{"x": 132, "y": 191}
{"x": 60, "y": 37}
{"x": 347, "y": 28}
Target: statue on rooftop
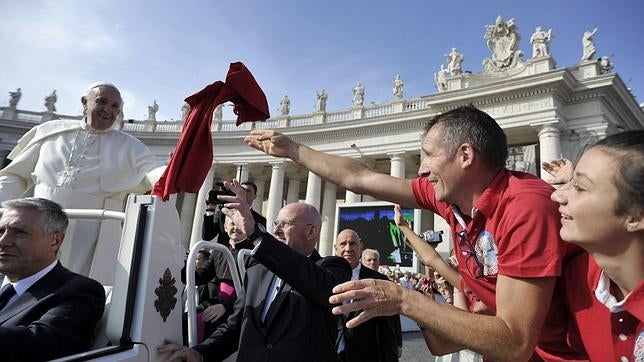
{"x": 454, "y": 61}
{"x": 285, "y": 106}
{"x": 358, "y": 95}
{"x": 184, "y": 111}
{"x": 589, "y": 45}
{"x": 50, "y": 102}
{"x": 218, "y": 114}
{"x": 605, "y": 65}
{"x": 152, "y": 111}
{"x": 540, "y": 40}
{"x": 320, "y": 105}
{"x": 503, "y": 40}
{"x": 14, "y": 98}
{"x": 398, "y": 87}
{"x": 441, "y": 79}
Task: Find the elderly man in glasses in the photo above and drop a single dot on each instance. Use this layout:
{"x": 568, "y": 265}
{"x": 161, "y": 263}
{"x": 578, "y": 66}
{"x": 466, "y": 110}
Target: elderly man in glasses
{"x": 512, "y": 235}
{"x": 283, "y": 312}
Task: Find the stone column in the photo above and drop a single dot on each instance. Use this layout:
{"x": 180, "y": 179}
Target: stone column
{"x": 328, "y": 219}
{"x": 200, "y": 206}
{"x": 313, "y": 186}
{"x": 242, "y": 172}
{"x": 549, "y": 145}
{"x": 258, "y": 204}
{"x": 275, "y": 193}
{"x": 397, "y": 164}
{"x": 293, "y": 192}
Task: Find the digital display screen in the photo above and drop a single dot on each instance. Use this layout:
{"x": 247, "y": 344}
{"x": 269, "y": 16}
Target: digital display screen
{"x": 375, "y": 226}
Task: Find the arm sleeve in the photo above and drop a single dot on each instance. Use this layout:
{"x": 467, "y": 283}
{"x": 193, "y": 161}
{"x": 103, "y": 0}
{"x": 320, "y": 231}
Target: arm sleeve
{"x": 15, "y": 179}
{"x": 314, "y": 280}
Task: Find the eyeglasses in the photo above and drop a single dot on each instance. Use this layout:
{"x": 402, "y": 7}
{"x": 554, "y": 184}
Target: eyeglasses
{"x": 475, "y": 269}
{"x": 287, "y": 224}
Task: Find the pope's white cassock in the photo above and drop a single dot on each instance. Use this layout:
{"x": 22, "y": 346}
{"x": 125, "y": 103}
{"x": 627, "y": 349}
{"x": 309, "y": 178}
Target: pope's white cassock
{"x": 81, "y": 168}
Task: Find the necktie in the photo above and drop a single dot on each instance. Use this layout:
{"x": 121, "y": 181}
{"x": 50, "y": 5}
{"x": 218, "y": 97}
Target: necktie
{"x": 5, "y": 294}
{"x": 271, "y": 295}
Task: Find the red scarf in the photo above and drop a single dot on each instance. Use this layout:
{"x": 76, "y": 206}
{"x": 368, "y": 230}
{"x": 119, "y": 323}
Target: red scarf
{"x": 192, "y": 157}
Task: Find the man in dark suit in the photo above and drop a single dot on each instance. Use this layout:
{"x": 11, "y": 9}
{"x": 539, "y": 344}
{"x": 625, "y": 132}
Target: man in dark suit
{"x": 214, "y": 218}
{"x": 283, "y": 312}
{"x": 378, "y": 339}
{"x": 46, "y": 311}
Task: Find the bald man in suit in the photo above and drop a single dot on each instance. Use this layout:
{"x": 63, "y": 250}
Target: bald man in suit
{"x": 283, "y": 312}
{"x": 378, "y": 339}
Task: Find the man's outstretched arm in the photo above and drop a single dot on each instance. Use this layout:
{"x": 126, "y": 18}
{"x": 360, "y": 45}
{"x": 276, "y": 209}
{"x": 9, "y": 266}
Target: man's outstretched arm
{"x": 342, "y": 171}
{"x": 510, "y": 335}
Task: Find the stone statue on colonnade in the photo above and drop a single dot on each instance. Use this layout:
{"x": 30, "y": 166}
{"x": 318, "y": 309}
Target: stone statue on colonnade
{"x": 320, "y": 105}
{"x": 398, "y": 87}
{"x": 540, "y": 40}
{"x": 358, "y": 95}
{"x": 503, "y": 40}
{"x": 50, "y": 102}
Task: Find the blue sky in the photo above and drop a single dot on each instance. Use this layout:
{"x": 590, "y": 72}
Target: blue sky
{"x": 167, "y": 50}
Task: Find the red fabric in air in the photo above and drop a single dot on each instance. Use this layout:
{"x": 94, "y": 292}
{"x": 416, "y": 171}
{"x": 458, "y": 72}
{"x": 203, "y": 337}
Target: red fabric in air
{"x": 192, "y": 156}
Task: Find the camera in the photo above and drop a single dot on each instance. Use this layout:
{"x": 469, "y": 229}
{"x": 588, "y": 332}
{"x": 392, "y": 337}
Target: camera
{"x": 432, "y": 237}
{"x": 221, "y": 190}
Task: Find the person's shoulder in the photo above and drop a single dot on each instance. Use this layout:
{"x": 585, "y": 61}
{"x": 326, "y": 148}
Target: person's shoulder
{"x": 527, "y": 189}
{"x": 56, "y": 125}
{"x": 74, "y": 282}
{"x": 334, "y": 261}
{"x": 368, "y": 273}
{"x": 82, "y": 279}
{"x": 126, "y": 137}
{"x": 523, "y": 182}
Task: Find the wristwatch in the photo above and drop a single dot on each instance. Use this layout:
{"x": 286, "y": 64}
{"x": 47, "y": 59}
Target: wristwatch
{"x": 259, "y": 231}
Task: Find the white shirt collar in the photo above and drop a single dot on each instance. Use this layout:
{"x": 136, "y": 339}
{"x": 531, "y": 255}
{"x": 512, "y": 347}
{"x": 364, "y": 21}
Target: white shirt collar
{"x": 603, "y": 295}
{"x": 355, "y": 272}
{"x": 22, "y": 285}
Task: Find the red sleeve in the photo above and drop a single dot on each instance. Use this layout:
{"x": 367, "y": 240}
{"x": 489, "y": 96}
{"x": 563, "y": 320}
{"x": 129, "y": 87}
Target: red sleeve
{"x": 529, "y": 244}
{"x": 426, "y": 197}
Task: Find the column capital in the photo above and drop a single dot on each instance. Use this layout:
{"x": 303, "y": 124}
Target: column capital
{"x": 396, "y": 155}
{"x": 277, "y": 164}
{"x": 547, "y": 129}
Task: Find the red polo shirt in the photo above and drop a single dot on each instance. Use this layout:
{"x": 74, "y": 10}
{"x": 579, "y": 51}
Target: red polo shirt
{"x": 513, "y": 232}
{"x": 609, "y": 334}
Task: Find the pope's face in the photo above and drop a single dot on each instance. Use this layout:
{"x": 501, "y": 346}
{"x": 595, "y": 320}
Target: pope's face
{"x": 102, "y": 105}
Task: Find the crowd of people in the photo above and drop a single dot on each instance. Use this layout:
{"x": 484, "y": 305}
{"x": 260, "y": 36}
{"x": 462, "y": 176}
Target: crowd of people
{"x": 536, "y": 273}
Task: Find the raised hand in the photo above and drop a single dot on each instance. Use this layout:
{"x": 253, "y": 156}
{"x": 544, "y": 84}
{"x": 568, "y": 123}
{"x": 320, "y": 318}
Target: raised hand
{"x": 374, "y": 297}
{"x": 237, "y": 208}
{"x": 272, "y": 143}
{"x": 398, "y": 216}
{"x": 560, "y": 169}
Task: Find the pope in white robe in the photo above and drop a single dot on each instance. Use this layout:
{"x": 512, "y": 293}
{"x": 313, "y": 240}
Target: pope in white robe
{"x": 83, "y": 164}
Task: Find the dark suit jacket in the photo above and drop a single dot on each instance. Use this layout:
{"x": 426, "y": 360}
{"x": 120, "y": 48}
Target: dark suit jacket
{"x": 299, "y": 325}
{"x": 376, "y": 340}
{"x": 213, "y": 225}
{"x": 55, "y": 317}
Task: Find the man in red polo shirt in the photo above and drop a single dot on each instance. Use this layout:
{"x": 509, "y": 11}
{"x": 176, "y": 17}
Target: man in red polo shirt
{"x": 505, "y": 233}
